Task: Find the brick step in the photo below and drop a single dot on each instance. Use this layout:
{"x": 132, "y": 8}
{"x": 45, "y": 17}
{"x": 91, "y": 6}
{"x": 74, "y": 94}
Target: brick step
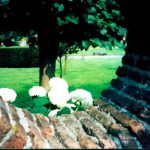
{"x": 100, "y": 126}
{"x": 133, "y": 125}
{"x": 136, "y": 107}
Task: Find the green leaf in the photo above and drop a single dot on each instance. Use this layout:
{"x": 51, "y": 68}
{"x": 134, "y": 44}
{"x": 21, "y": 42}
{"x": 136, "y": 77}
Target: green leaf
{"x": 85, "y": 44}
{"x": 72, "y": 19}
{"x": 96, "y": 42}
{"x": 99, "y": 6}
{"x": 103, "y": 31}
{"x": 60, "y": 21}
{"x": 90, "y": 19}
{"x": 107, "y": 15}
{"x": 107, "y": 45}
{"x": 115, "y": 12}
{"x": 119, "y": 44}
{"x": 100, "y": 22}
{"x": 89, "y": 2}
{"x": 39, "y": 101}
{"x": 64, "y": 110}
{"x": 60, "y": 7}
{"x": 112, "y": 25}
{"x": 122, "y": 31}
{"x": 40, "y": 110}
{"x": 80, "y": 108}
{"x": 92, "y": 10}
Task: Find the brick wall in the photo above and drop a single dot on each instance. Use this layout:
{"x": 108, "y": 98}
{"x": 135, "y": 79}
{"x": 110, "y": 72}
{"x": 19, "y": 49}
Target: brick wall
{"x": 130, "y": 91}
{"x": 99, "y": 126}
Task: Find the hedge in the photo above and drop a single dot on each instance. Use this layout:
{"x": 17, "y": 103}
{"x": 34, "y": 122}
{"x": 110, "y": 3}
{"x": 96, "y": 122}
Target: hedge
{"x": 19, "y": 57}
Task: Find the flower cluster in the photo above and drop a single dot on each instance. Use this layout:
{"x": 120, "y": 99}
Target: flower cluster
{"x": 57, "y": 83}
{"x": 8, "y": 94}
{"x": 58, "y": 94}
{"x": 81, "y": 96}
{"x": 37, "y": 91}
{"x": 58, "y": 100}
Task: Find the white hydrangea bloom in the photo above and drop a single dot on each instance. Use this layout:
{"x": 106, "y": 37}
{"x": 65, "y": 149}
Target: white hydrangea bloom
{"x": 59, "y": 97}
{"x": 81, "y": 95}
{"x": 53, "y": 112}
{"x": 57, "y": 83}
{"x": 70, "y": 105}
{"x": 8, "y": 94}
{"x": 37, "y": 91}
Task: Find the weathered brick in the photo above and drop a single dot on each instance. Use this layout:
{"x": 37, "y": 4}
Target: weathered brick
{"x": 100, "y": 116}
{"x": 130, "y": 59}
{"x": 123, "y": 134}
{"x": 5, "y": 125}
{"x": 137, "y": 128}
{"x": 27, "y": 114}
{"x": 66, "y": 137}
{"x": 104, "y": 140}
{"x": 84, "y": 140}
{"x": 14, "y": 113}
{"x": 47, "y": 131}
{"x": 143, "y": 63}
{"x": 136, "y": 91}
{"x": 18, "y": 140}
{"x": 117, "y": 83}
{"x": 125, "y": 72}
{"x": 102, "y": 105}
{"x": 36, "y": 137}
{"x": 128, "y": 103}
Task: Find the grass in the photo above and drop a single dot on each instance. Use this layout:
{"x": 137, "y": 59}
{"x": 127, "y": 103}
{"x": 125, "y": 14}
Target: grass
{"x": 90, "y": 51}
{"x": 93, "y": 75}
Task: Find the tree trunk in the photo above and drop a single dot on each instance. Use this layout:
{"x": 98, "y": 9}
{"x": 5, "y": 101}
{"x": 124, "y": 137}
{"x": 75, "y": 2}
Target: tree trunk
{"x": 48, "y": 54}
{"x": 60, "y": 63}
{"x": 65, "y": 64}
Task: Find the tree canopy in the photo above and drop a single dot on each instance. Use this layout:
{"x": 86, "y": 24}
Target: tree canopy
{"x": 76, "y": 22}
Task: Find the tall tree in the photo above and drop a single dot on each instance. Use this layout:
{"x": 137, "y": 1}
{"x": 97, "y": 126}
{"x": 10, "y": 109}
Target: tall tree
{"x": 76, "y": 22}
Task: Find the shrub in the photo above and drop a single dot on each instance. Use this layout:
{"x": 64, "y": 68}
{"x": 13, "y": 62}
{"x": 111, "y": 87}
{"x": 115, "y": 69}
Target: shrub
{"x": 19, "y": 57}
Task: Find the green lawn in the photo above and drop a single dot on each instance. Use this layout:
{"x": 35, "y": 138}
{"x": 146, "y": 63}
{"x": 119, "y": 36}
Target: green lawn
{"x": 90, "y": 51}
{"x": 93, "y": 75}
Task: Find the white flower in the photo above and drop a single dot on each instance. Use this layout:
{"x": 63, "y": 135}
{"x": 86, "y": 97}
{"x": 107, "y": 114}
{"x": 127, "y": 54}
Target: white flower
{"x": 8, "y": 94}
{"x": 53, "y": 112}
{"x": 37, "y": 91}
{"x": 81, "y": 95}
{"x": 70, "y": 105}
{"x": 59, "y": 97}
{"x": 57, "y": 83}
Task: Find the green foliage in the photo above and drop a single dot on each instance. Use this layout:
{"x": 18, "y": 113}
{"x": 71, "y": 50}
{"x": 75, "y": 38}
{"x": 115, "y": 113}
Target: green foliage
{"x": 60, "y": 21}
{"x": 107, "y": 45}
{"x": 19, "y": 57}
{"x": 64, "y": 110}
{"x": 40, "y": 110}
{"x": 96, "y": 41}
{"x": 39, "y": 101}
{"x": 103, "y": 31}
{"x": 59, "y": 7}
{"x": 92, "y": 10}
{"x": 85, "y": 44}
{"x": 90, "y": 19}
{"x": 72, "y": 19}
{"x": 107, "y": 14}
{"x": 43, "y": 105}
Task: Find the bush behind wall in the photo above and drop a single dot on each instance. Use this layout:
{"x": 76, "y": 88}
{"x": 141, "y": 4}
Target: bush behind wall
{"x": 19, "y": 57}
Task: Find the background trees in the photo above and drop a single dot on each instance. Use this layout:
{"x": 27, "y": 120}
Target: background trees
{"x": 79, "y": 23}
